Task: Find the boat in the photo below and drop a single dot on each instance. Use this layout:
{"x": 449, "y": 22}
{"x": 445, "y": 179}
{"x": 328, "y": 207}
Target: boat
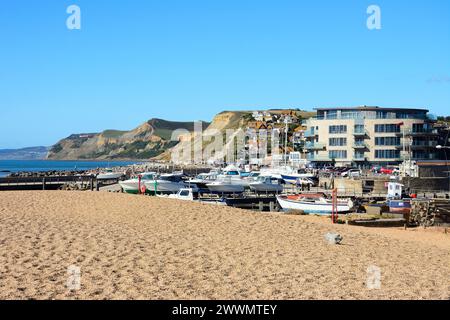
{"x": 313, "y": 204}
{"x": 165, "y": 183}
{"x": 109, "y": 174}
{"x": 203, "y": 179}
{"x": 298, "y": 178}
{"x": 190, "y": 194}
{"x": 225, "y": 185}
{"x": 185, "y": 194}
{"x": 399, "y": 206}
{"x": 266, "y": 184}
{"x": 287, "y": 173}
{"x": 133, "y": 185}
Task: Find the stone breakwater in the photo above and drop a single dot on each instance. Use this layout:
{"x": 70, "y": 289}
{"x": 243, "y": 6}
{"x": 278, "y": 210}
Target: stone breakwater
{"x": 128, "y": 171}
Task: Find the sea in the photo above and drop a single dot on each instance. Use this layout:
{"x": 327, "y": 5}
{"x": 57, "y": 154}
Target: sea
{"x": 11, "y": 166}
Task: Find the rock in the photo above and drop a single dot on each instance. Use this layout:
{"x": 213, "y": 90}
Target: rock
{"x": 333, "y": 238}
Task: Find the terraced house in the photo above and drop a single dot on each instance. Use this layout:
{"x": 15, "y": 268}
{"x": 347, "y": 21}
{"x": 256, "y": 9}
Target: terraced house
{"x": 370, "y": 135}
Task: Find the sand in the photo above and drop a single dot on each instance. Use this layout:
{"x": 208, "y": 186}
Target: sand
{"x": 137, "y": 247}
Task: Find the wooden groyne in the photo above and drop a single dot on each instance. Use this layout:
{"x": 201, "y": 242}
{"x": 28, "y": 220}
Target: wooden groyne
{"x": 45, "y": 183}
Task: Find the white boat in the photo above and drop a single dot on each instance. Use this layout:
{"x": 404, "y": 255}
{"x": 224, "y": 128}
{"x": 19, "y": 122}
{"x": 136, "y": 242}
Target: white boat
{"x": 266, "y": 184}
{"x": 166, "y": 183}
{"x": 190, "y": 194}
{"x": 313, "y": 204}
{"x": 185, "y": 194}
{"x": 108, "y": 174}
{"x": 225, "y": 185}
{"x": 289, "y": 173}
{"x": 132, "y": 185}
{"x": 203, "y": 179}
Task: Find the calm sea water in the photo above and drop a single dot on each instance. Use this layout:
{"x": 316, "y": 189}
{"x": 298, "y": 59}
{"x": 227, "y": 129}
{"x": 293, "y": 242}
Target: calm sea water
{"x": 49, "y": 165}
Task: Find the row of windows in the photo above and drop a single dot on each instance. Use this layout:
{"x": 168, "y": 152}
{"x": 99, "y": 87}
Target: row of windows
{"x": 387, "y": 141}
{"x": 337, "y": 154}
{"x": 387, "y": 154}
{"x": 387, "y": 128}
{"x": 334, "y": 142}
{"x": 338, "y": 129}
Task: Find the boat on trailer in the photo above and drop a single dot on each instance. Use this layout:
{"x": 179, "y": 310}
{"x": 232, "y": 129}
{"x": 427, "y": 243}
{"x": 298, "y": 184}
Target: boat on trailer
{"x": 313, "y": 204}
{"x": 132, "y": 185}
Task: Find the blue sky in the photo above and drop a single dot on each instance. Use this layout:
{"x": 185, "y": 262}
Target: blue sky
{"x": 188, "y": 60}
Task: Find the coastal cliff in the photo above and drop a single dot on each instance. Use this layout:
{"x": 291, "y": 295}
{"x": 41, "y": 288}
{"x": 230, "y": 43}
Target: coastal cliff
{"x": 144, "y": 142}
{"x": 152, "y": 140}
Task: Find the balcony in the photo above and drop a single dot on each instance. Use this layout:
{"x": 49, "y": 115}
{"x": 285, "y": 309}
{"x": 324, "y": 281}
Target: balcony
{"x": 424, "y": 145}
{"x": 411, "y": 132}
{"x": 360, "y": 133}
{"x": 315, "y": 146}
{"x": 318, "y": 158}
{"x": 360, "y": 145}
{"x": 310, "y": 134}
{"x": 359, "y": 158}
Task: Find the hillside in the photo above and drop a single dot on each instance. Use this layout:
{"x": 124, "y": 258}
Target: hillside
{"x": 31, "y": 153}
{"x": 221, "y": 122}
{"x": 144, "y": 142}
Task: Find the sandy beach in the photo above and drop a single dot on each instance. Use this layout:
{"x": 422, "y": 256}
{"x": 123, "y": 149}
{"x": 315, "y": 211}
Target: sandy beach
{"x": 137, "y": 247}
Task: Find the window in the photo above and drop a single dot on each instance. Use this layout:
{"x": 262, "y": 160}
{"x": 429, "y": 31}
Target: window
{"x": 381, "y": 114}
{"x": 387, "y": 141}
{"x": 337, "y": 154}
{"x": 389, "y": 128}
{"x": 332, "y": 114}
{"x": 359, "y": 128}
{"x": 337, "y": 142}
{"x": 387, "y": 154}
{"x": 338, "y": 129}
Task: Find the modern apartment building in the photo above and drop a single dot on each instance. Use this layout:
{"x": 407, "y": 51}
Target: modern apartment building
{"x": 370, "y": 135}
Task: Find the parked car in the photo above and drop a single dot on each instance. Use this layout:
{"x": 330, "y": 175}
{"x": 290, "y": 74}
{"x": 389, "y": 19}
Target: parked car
{"x": 352, "y": 173}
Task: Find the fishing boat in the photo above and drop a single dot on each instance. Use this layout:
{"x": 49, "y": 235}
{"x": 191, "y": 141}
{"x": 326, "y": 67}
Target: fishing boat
{"x": 399, "y": 206}
{"x": 313, "y": 204}
{"x": 133, "y": 185}
{"x": 266, "y": 184}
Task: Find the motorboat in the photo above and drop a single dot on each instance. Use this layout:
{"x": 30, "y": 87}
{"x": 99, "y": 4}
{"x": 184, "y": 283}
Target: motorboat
{"x": 313, "y": 204}
{"x": 135, "y": 184}
{"x": 109, "y": 174}
{"x": 165, "y": 183}
{"x": 226, "y": 185}
{"x": 185, "y": 194}
{"x": 266, "y": 184}
{"x": 203, "y": 179}
{"x": 286, "y": 173}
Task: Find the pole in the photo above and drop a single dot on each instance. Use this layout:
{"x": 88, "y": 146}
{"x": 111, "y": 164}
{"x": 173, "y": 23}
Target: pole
{"x": 139, "y": 184}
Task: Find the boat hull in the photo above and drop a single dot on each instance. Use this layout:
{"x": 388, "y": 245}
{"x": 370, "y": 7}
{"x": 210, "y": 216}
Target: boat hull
{"x": 399, "y": 206}
{"x": 109, "y": 176}
{"x": 130, "y": 186}
{"x": 265, "y": 187}
{"x": 164, "y": 186}
{"x": 225, "y": 188}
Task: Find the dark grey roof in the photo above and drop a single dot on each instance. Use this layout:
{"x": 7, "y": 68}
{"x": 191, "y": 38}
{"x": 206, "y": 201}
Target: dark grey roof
{"x": 373, "y": 108}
